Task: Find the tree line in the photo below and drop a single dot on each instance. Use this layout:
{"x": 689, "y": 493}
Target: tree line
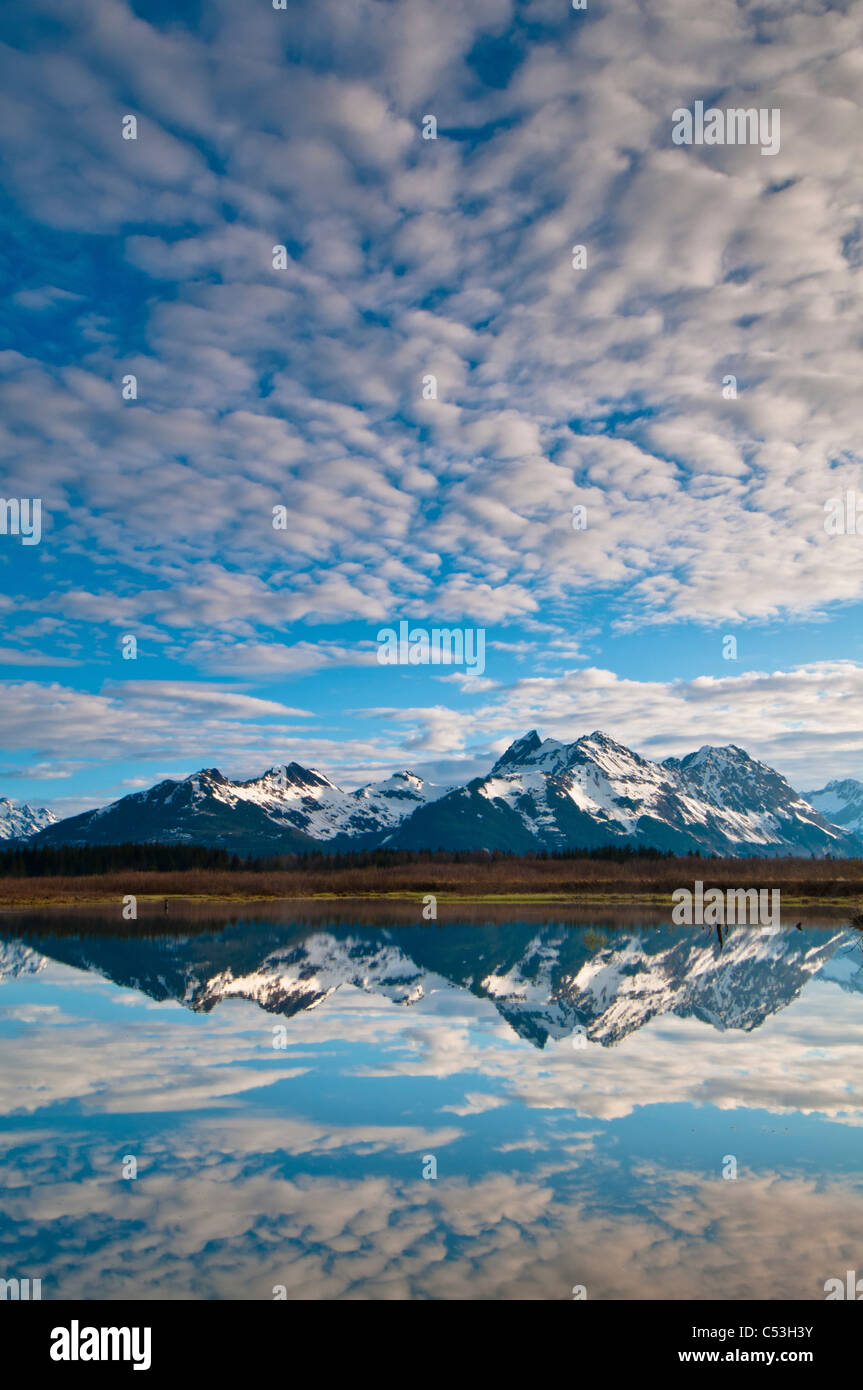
{"x": 77, "y": 860}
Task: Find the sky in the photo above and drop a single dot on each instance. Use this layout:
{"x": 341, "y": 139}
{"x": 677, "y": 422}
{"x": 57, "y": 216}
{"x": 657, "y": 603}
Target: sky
{"x": 429, "y": 380}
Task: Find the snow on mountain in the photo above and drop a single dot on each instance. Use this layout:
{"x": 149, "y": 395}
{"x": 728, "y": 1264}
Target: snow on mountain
{"x": 841, "y": 802}
{"x": 595, "y": 791}
{"x": 17, "y": 959}
{"x": 313, "y": 804}
{"x": 288, "y": 808}
{"x": 546, "y": 982}
{"x": 302, "y": 976}
{"x": 618, "y": 988}
{"x": 558, "y": 982}
{"x": 541, "y": 794}
{"x": 18, "y": 820}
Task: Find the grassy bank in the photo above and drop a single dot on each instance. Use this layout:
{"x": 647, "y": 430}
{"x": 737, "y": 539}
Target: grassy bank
{"x": 803, "y": 881}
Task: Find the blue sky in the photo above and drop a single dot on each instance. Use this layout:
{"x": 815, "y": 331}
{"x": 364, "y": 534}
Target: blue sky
{"x": 303, "y": 386}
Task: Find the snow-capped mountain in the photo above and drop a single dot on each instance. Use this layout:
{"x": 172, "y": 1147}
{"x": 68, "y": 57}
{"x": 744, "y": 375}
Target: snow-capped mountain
{"x": 545, "y": 981}
{"x": 16, "y": 959}
{"x": 540, "y": 795}
{"x": 18, "y": 820}
{"x": 841, "y": 802}
{"x": 633, "y": 977}
{"x": 287, "y": 809}
{"x": 311, "y": 803}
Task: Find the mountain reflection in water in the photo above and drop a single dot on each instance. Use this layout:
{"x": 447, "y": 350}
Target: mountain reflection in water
{"x": 281, "y": 1078}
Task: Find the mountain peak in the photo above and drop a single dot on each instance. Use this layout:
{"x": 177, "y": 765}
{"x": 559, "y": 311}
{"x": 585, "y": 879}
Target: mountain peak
{"x": 602, "y": 740}
{"x": 717, "y": 756}
{"x": 605, "y": 752}
{"x": 540, "y": 794}
{"x": 404, "y": 778}
{"x": 841, "y": 802}
{"x": 517, "y": 751}
{"x": 727, "y": 759}
{"x": 207, "y": 774}
{"x": 721, "y": 751}
{"x": 290, "y": 775}
{"x": 19, "y": 818}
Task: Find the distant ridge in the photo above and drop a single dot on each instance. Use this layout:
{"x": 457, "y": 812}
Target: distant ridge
{"x": 540, "y": 794}
{"x": 841, "y": 802}
{"x": 19, "y": 821}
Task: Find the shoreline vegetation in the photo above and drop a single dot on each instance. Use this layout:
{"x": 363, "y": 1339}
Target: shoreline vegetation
{"x": 160, "y": 874}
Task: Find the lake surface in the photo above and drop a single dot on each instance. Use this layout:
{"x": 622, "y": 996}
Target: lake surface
{"x": 581, "y": 1084}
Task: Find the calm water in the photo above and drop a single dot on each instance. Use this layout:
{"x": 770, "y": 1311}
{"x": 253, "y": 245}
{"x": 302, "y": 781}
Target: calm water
{"x": 283, "y": 1084}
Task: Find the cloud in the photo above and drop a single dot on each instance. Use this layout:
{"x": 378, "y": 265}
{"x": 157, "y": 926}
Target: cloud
{"x": 44, "y": 297}
{"x": 138, "y": 718}
{"x": 407, "y": 259}
{"x": 694, "y": 271}
{"x": 798, "y": 720}
{"x": 236, "y": 1195}
{"x": 13, "y": 656}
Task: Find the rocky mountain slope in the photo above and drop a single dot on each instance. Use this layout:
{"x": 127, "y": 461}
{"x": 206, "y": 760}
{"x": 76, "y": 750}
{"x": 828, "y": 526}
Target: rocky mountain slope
{"x": 18, "y": 820}
{"x": 540, "y": 794}
{"x": 547, "y": 982}
{"x": 551, "y": 795}
{"x": 287, "y": 809}
{"x": 840, "y": 802}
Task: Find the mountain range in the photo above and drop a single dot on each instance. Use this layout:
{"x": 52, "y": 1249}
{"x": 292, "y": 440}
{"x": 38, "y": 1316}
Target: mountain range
{"x": 540, "y": 794}
{"x": 841, "y": 802}
{"x": 18, "y": 820}
{"x": 546, "y": 982}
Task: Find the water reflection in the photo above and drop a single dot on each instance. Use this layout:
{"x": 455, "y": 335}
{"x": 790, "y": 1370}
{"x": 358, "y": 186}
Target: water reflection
{"x": 281, "y": 1080}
